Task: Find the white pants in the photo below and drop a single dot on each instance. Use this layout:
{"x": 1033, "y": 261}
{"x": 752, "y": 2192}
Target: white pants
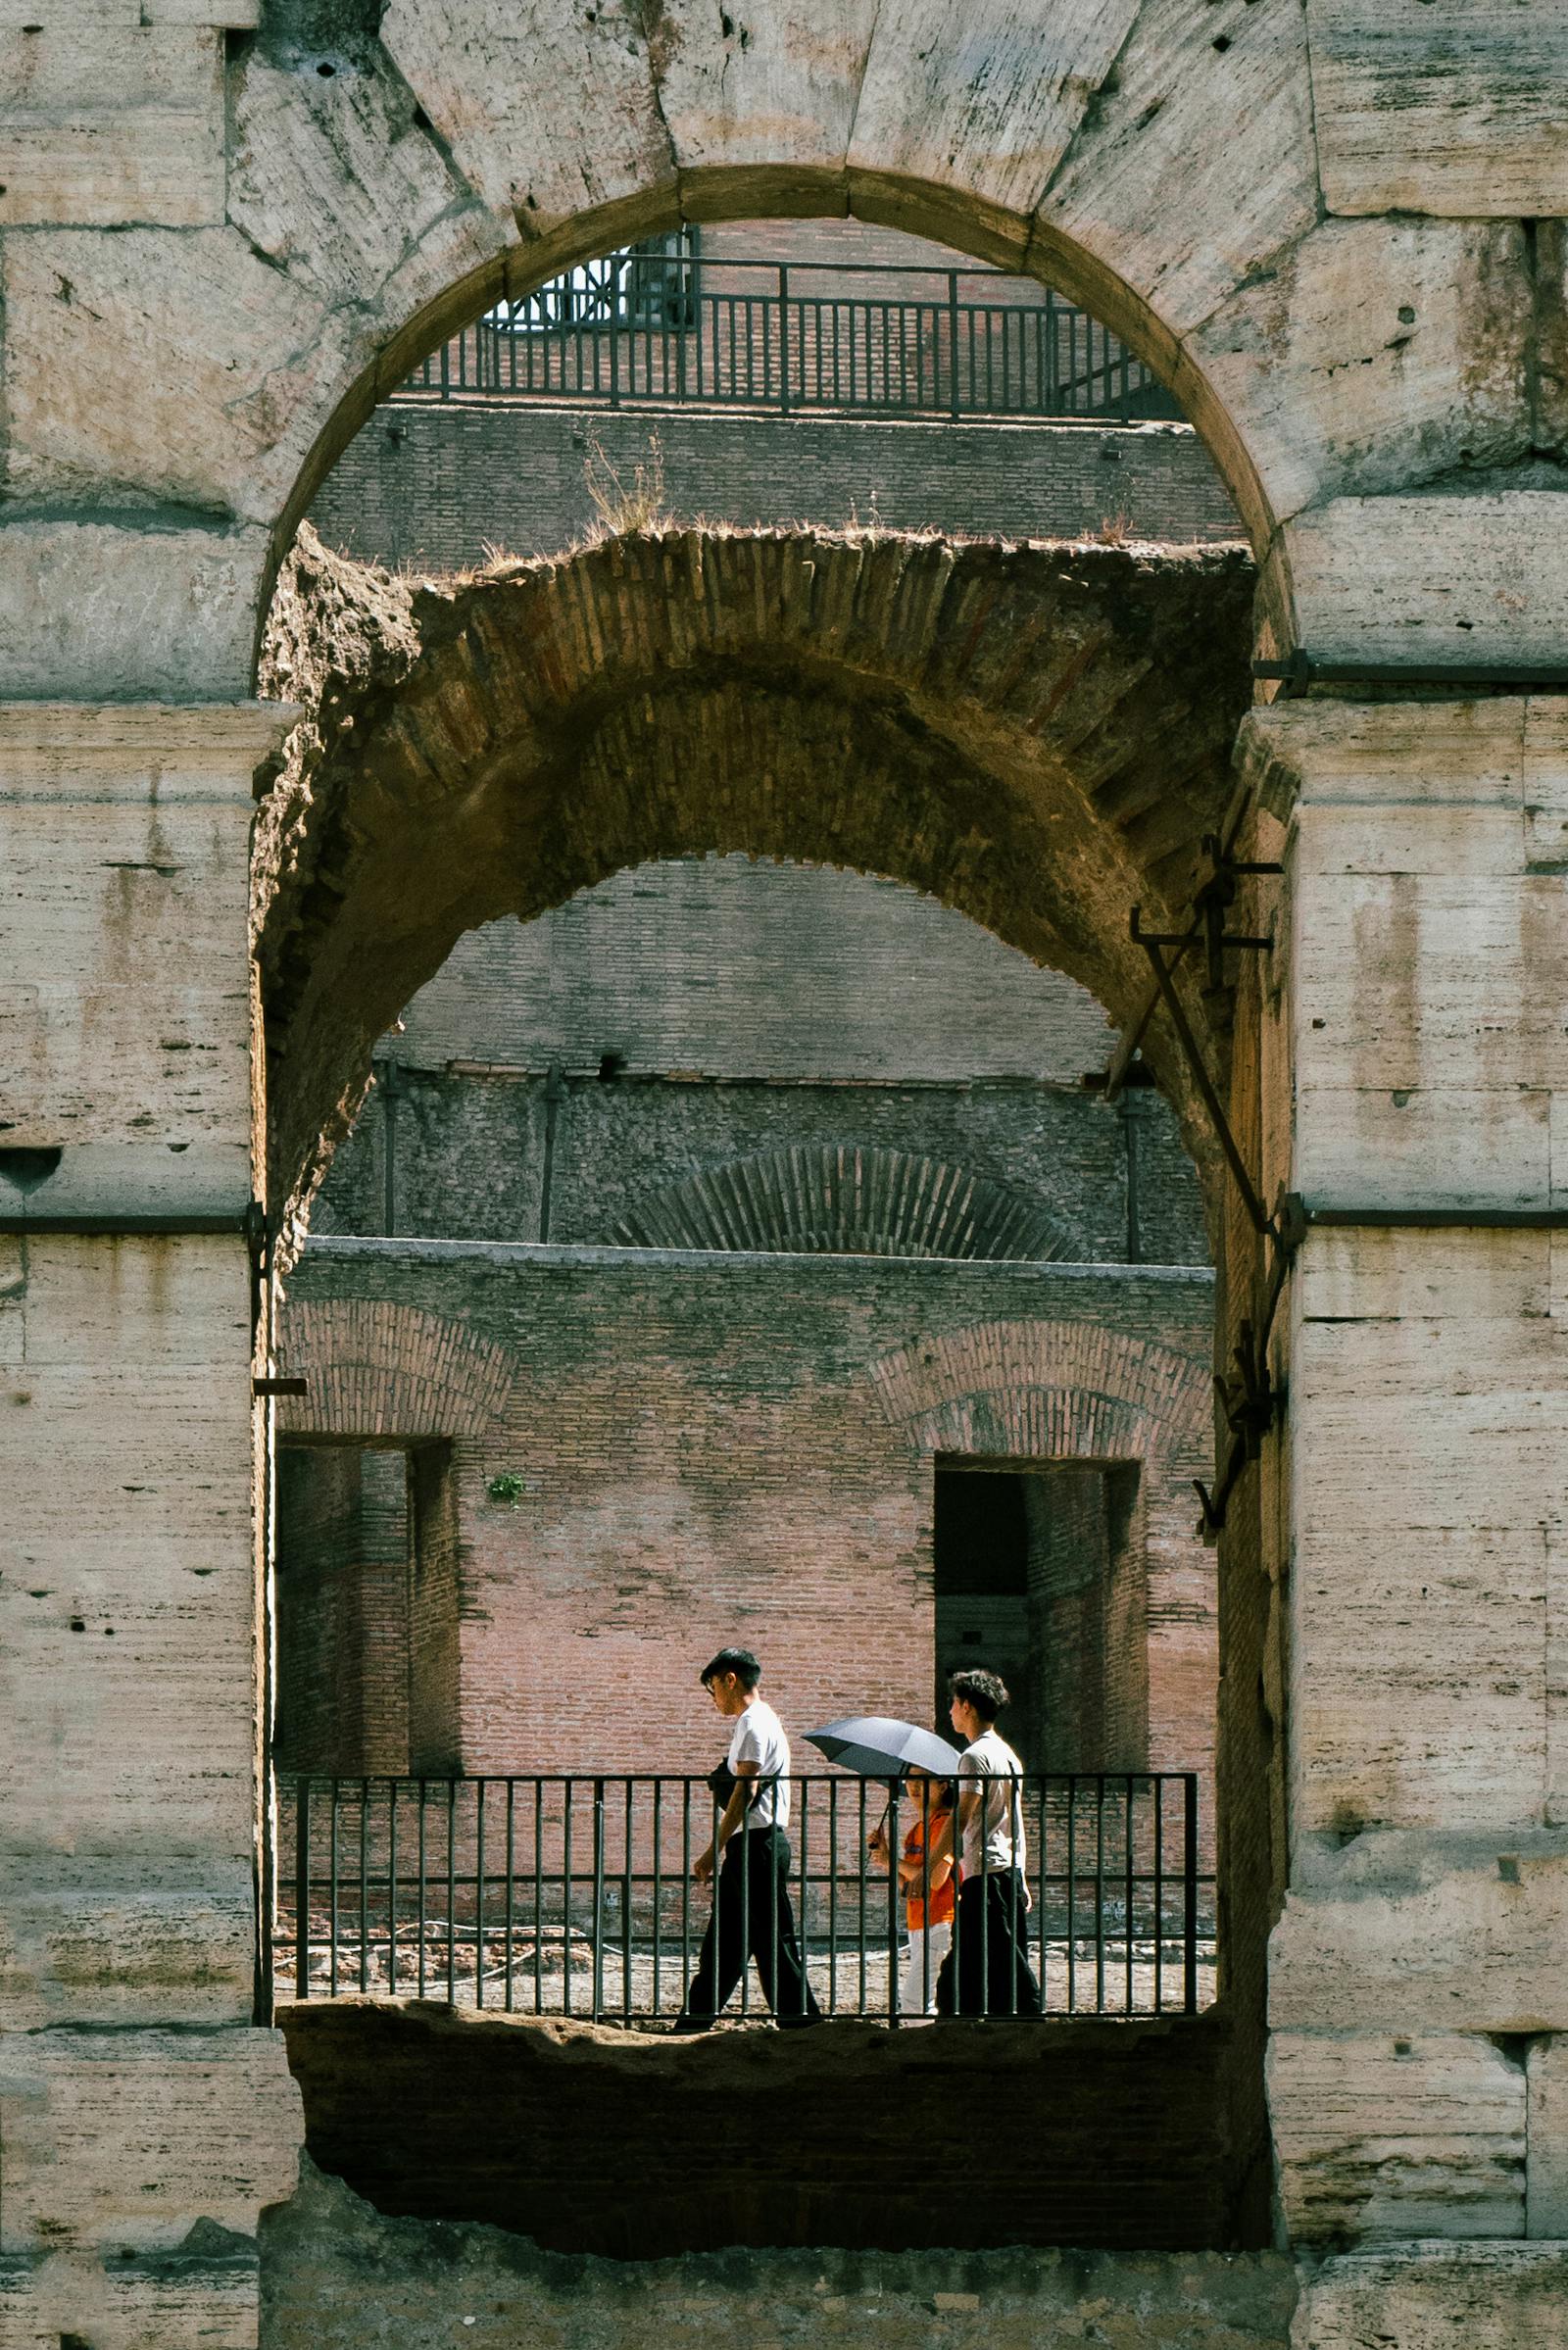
{"x": 928, "y": 1948}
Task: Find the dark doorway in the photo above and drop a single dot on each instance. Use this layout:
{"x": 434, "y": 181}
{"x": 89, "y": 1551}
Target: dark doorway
{"x": 367, "y": 1608}
{"x": 982, "y": 1589}
{"x": 1041, "y": 1576}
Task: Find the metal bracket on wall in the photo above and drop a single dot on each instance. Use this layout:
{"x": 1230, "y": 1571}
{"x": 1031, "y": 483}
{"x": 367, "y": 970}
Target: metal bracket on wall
{"x": 1155, "y": 943}
{"x": 1251, "y": 1400}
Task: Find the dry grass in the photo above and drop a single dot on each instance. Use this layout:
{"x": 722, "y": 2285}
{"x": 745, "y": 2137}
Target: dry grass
{"x": 622, "y": 506}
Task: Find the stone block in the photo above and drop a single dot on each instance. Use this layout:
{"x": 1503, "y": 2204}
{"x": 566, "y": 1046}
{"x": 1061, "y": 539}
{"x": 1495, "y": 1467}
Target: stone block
{"x": 1468, "y": 577}
{"x": 192, "y": 1185}
{"x": 99, "y": 612}
{"x": 226, "y": 354}
{"x": 775, "y": 95}
{"x": 336, "y": 182}
{"x": 1461, "y": 1409}
{"x": 1371, "y": 354}
{"x": 981, "y": 103}
{"x": 86, "y": 1939}
{"x": 1452, "y": 110}
{"x": 1433, "y": 1930}
{"x": 1434, "y": 2296}
{"x": 128, "y": 1684}
{"x": 1379, "y": 2138}
{"x": 1394, "y": 757}
{"x": 1407, "y": 1147}
{"x": 127, "y": 1662}
{"x": 1556, "y": 1544}
{"x": 129, "y": 2138}
{"x": 126, "y": 834}
{"x": 1444, "y": 981}
{"x": 1418, "y": 1690}
{"x": 1125, "y": 192}
{"x": 1360, "y": 1274}
{"x": 104, "y": 126}
{"x": 549, "y": 114}
{"x": 1546, "y": 783}
{"x": 1546, "y": 2169}
{"x": 205, "y": 2299}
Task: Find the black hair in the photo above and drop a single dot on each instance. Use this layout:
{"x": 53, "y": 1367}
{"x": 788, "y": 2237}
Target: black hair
{"x": 739, "y": 1661}
{"x": 987, "y": 1693}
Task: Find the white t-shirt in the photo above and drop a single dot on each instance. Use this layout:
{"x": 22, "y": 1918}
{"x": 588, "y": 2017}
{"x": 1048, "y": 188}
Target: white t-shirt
{"x": 999, "y": 1815}
{"x": 759, "y": 1738}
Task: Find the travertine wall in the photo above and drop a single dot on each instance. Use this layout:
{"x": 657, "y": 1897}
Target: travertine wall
{"x": 1337, "y": 227}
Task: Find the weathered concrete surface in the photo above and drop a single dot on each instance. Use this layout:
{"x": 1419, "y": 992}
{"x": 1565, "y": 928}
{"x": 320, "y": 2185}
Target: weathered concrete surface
{"x": 1401, "y": 99}
{"x": 1377, "y": 2137}
{"x": 201, "y": 2296}
{"x": 123, "y": 834}
{"x": 338, "y": 2276}
{"x": 127, "y": 127}
{"x": 956, "y": 715}
{"x": 113, "y": 2138}
{"x": 1434, "y": 2296}
{"x": 108, "y": 610}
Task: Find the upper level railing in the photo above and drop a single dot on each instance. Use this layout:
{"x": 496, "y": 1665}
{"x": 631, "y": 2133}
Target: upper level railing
{"x": 575, "y": 1896}
{"x": 895, "y": 341}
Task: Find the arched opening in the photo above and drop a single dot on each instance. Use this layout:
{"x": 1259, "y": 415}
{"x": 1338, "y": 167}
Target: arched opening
{"x": 1036, "y": 735}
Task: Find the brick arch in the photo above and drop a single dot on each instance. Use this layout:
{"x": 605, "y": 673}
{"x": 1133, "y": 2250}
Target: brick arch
{"x": 1039, "y": 1388}
{"x": 846, "y": 1199}
{"x": 1037, "y": 735}
{"x": 376, "y": 1369}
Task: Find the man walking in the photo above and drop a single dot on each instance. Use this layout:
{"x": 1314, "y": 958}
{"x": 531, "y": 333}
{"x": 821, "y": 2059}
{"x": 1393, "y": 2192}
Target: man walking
{"x": 987, "y": 1970}
{"x": 751, "y": 1913}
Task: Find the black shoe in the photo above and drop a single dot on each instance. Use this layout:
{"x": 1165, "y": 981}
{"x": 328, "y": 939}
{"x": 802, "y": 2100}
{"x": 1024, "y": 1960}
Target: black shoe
{"x": 798, "y": 2023}
{"x": 686, "y": 2024}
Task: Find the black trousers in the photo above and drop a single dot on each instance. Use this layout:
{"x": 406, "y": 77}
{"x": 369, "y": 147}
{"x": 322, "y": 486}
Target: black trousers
{"x": 987, "y": 1970}
{"x": 751, "y": 1919}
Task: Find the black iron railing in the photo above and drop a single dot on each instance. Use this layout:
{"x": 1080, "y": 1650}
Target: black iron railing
{"x": 927, "y": 342}
{"x": 575, "y": 1896}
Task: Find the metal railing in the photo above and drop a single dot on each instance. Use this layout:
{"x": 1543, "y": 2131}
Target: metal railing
{"x": 941, "y": 349}
{"x": 575, "y": 1896}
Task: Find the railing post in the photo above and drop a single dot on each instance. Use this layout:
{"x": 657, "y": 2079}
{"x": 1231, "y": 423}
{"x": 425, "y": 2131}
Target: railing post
{"x": 301, "y": 1887}
{"x": 598, "y": 1899}
{"x": 952, "y": 342}
{"x": 614, "y": 359}
{"x": 1189, "y": 1890}
{"x": 446, "y": 370}
{"x": 783, "y": 340}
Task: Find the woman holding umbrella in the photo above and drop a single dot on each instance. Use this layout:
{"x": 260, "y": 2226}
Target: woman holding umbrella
{"x": 930, "y": 1891}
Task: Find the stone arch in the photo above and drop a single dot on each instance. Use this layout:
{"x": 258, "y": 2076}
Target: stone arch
{"x": 988, "y": 146}
{"x": 1037, "y": 735}
{"x": 375, "y": 1369}
{"x": 848, "y": 1199}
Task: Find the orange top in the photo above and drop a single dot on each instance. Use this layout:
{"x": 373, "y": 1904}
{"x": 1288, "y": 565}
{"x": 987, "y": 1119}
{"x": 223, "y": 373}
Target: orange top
{"x": 943, "y": 1899}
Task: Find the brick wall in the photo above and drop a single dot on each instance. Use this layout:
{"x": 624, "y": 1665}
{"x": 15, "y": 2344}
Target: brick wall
{"x": 440, "y": 488}
{"x": 470, "y": 1155}
{"x": 1095, "y": 2135}
{"x": 742, "y": 1448}
{"x": 738, "y": 967}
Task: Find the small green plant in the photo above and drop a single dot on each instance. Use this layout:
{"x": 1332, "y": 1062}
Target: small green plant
{"x": 508, "y": 1488}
